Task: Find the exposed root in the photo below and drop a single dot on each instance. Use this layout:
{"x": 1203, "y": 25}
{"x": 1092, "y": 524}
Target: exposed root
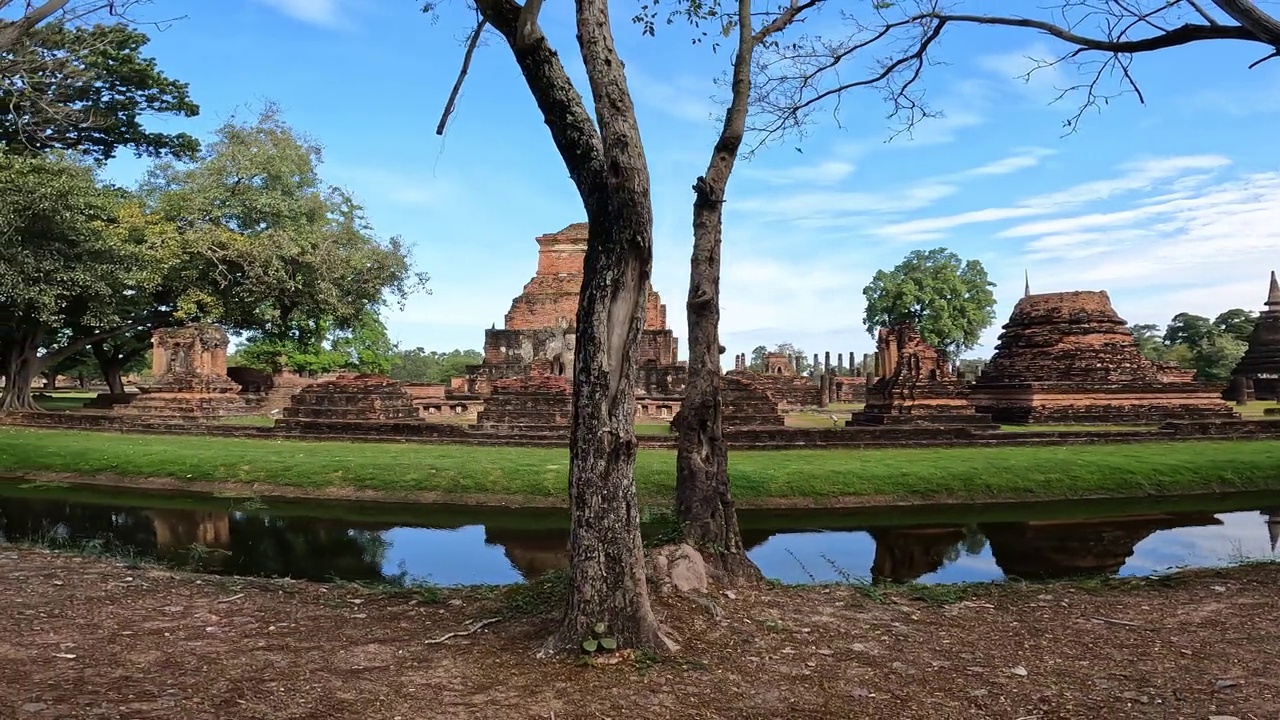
{"x": 447, "y": 636}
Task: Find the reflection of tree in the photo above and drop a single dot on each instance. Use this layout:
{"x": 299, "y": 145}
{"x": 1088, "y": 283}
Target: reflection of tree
{"x": 533, "y": 552}
{"x": 40, "y": 520}
{"x": 974, "y": 541}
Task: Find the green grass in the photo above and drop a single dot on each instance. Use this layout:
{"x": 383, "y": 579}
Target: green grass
{"x": 799, "y": 475}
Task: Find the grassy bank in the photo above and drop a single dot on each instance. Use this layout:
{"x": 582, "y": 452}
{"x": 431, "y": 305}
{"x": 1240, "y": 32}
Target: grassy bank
{"x": 758, "y": 477}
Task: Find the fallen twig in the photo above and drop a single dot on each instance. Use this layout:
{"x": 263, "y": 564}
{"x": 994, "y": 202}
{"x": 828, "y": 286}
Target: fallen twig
{"x": 1117, "y": 622}
{"x": 460, "y": 633}
{"x": 229, "y": 599}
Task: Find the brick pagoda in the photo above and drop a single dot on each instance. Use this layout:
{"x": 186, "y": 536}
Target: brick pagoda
{"x": 915, "y": 386}
{"x": 543, "y": 318}
{"x": 1260, "y": 366}
{"x": 1069, "y": 358}
{"x": 779, "y": 382}
{"x": 189, "y": 378}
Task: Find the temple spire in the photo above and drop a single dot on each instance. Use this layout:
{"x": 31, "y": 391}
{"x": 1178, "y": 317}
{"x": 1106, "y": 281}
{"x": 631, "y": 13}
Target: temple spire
{"x": 1273, "y": 293}
{"x": 1026, "y": 287}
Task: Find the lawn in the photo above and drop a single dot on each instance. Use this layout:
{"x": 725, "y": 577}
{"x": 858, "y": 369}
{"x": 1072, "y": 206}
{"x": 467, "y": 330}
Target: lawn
{"x": 759, "y": 477}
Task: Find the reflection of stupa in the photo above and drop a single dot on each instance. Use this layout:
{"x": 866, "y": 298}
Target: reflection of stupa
{"x": 904, "y": 554}
{"x": 1273, "y": 527}
{"x": 1066, "y": 548}
{"x": 532, "y": 552}
{"x": 178, "y": 530}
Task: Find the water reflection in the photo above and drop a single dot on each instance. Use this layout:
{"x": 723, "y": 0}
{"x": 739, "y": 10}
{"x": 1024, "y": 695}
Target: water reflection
{"x": 464, "y": 546}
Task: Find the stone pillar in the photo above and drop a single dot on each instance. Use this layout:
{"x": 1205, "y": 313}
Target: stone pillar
{"x": 840, "y": 363}
{"x": 824, "y": 390}
{"x": 815, "y": 369}
{"x": 826, "y": 362}
{"x": 1240, "y": 389}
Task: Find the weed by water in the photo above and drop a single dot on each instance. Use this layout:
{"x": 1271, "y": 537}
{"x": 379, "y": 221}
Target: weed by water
{"x": 399, "y": 585}
{"x": 105, "y": 547}
{"x": 542, "y": 596}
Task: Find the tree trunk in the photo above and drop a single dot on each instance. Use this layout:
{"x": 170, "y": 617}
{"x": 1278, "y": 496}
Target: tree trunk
{"x": 111, "y": 367}
{"x": 704, "y": 504}
{"x": 606, "y": 556}
{"x": 22, "y": 367}
{"x": 50, "y": 379}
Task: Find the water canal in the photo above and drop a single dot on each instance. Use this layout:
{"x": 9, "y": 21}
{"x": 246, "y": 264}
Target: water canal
{"x": 449, "y": 544}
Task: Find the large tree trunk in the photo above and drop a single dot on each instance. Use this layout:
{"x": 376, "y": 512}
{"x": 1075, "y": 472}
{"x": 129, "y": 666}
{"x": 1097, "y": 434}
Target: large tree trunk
{"x": 111, "y": 366}
{"x": 22, "y": 366}
{"x": 704, "y": 504}
{"x": 606, "y": 566}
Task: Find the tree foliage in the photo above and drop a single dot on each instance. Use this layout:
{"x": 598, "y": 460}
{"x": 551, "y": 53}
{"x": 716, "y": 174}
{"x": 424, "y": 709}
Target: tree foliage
{"x": 88, "y": 89}
{"x": 272, "y": 249}
{"x": 364, "y": 347}
{"x": 1194, "y": 342}
{"x": 949, "y": 300}
{"x": 75, "y": 254}
{"x": 422, "y": 366}
{"x": 802, "y": 362}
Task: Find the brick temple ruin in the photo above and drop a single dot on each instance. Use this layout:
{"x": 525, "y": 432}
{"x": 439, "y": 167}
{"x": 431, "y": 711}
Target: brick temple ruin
{"x": 541, "y": 324}
{"x": 189, "y": 378}
{"x": 351, "y": 397}
{"x": 916, "y": 385}
{"x": 1069, "y": 358}
{"x": 1257, "y": 375}
{"x": 538, "y": 402}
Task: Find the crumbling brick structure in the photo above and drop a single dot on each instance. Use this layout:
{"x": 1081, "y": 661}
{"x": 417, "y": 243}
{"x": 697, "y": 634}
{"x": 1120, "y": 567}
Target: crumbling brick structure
{"x": 1258, "y": 372}
{"x": 542, "y": 320}
{"x": 1069, "y": 358}
{"x": 262, "y": 391}
{"x": 745, "y": 402}
{"x": 189, "y": 377}
{"x": 351, "y": 397}
{"x": 538, "y": 402}
{"x": 916, "y": 385}
{"x": 778, "y": 364}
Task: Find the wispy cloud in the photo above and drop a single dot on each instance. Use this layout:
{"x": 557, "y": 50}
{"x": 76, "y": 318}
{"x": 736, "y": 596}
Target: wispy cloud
{"x": 1019, "y": 160}
{"x": 826, "y": 172}
{"x": 1135, "y": 176}
{"x": 327, "y": 13}
{"x": 1027, "y": 69}
{"x": 683, "y": 98}
{"x": 402, "y": 188}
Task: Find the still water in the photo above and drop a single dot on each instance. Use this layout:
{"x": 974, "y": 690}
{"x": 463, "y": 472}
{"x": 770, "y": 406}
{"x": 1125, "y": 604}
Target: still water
{"x": 449, "y": 545}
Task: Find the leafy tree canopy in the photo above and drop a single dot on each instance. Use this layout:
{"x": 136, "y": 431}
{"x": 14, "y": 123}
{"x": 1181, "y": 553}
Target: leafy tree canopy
{"x": 1236, "y": 323}
{"x": 419, "y": 365}
{"x": 363, "y": 348}
{"x": 273, "y": 250}
{"x": 949, "y": 300}
{"x": 87, "y": 89}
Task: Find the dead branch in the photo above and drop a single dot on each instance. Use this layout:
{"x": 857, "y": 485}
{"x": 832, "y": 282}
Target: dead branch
{"x": 461, "y": 633}
{"x": 449, "y": 104}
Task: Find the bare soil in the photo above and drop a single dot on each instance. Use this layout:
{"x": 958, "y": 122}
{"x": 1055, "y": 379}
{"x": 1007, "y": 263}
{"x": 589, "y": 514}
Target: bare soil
{"x": 91, "y": 638}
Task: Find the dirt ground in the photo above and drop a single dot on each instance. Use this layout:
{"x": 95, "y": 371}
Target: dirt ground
{"x": 90, "y": 638}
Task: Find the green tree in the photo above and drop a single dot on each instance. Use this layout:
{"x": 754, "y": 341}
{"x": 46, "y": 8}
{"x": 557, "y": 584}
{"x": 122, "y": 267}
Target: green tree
{"x": 1149, "y": 340}
{"x": 1236, "y": 323}
{"x": 88, "y": 89}
{"x": 73, "y": 254}
{"x": 419, "y": 365}
{"x": 1215, "y": 360}
{"x": 366, "y": 347}
{"x": 272, "y": 250}
{"x": 115, "y": 357}
{"x": 948, "y": 300}
{"x": 1189, "y": 329}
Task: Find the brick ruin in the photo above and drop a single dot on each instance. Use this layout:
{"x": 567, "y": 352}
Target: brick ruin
{"x": 745, "y": 402}
{"x": 438, "y": 401}
{"x": 1257, "y": 375}
{"x": 1069, "y": 358}
{"x": 543, "y": 317}
{"x": 915, "y": 386}
{"x": 189, "y": 377}
{"x": 266, "y": 392}
{"x": 538, "y": 402}
{"x": 350, "y": 397}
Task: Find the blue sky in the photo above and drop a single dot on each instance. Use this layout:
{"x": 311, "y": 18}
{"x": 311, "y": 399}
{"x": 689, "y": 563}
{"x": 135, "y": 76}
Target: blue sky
{"x": 1172, "y": 206}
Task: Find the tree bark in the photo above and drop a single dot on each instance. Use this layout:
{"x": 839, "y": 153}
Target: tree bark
{"x": 606, "y": 565}
{"x": 704, "y": 503}
{"x": 22, "y": 366}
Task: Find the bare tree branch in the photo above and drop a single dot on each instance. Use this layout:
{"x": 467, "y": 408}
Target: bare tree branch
{"x": 449, "y": 104}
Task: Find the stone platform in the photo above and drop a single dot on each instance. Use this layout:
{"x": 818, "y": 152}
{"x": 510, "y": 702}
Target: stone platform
{"x": 189, "y": 378}
{"x": 351, "y": 397}
{"x": 535, "y": 403}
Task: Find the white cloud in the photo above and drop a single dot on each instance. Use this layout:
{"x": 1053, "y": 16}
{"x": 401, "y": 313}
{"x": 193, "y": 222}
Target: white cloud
{"x": 835, "y": 208}
{"x": 1136, "y": 176}
{"x": 317, "y": 12}
{"x": 1021, "y": 160}
{"x": 826, "y": 172}
{"x": 683, "y": 98}
{"x": 1027, "y": 69}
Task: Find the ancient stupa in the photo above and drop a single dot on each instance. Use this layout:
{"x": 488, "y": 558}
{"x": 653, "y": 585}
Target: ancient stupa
{"x": 1260, "y": 365}
{"x": 1069, "y": 358}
